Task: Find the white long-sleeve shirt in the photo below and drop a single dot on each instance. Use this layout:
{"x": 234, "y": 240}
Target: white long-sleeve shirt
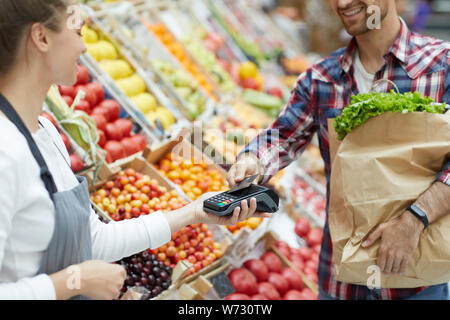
{"x": 27, "y": 215}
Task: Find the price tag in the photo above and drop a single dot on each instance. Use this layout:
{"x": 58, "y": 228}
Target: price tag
{"x": 222, "y": 285}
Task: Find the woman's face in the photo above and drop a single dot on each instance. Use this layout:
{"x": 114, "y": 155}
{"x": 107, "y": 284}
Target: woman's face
{"x": 65, "y": 48}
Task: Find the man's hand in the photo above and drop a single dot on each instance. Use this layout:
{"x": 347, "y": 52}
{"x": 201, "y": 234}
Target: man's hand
{"x": 399, "y": 240}
{"x": 247, "y": 165}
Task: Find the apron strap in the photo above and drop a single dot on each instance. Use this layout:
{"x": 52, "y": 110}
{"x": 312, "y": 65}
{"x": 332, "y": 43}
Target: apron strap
{"x": 45, "y": 174}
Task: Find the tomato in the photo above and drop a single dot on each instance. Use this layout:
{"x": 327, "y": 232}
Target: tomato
{"x": 140, "y": 140}
{"x": 305, "y": 252}
{"x": 130, "y": 146}
{"x": 68, "y": 100}
{"x": 281, "y": 244}
{"x": 293, "y": 278}
{"x": 113, "y": 132}
{"x": 49, "y": 117}
{"x": 243, "y": 281}
{"x": 83, "y": 106}
{"x": 65, "y": 140}
{"x": 302, "y": 227}
{"x": 272, "y": 261}
{"x": 67, "y": 91}
{"x": 98, "y": 90}
{"x": 90, "y": 95}
{"x": 82, "y": 75}
{"x": 293, "y": 295}
{"x": 115, "y": 150}
{"x": 258, "y": 296}
{"x": 113, "y": 109}
{"x": 125, "y": 126}
{"x": 237, "y": 296}
{"x": 308, "y": 294}
{"x": 75, "y": 163}
{"x": 279, "y": 282}
{"x": 314, "y": 237}
{"x": 298, "y": 262}
{"x": 103, "y": 111}
{"x": 285, "y": 251}
{"x": 102, "y": 138}
{"x": 268, "y": 290}
{"x": 100, "y": 121}
{"x": 258, "y": 268}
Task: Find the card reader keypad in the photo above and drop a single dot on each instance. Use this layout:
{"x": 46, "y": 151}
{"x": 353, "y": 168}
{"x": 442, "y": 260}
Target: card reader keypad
{"x": 222, "y": 199}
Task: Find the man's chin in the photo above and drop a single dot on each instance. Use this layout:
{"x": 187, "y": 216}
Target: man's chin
{"x": 357, "y": 30}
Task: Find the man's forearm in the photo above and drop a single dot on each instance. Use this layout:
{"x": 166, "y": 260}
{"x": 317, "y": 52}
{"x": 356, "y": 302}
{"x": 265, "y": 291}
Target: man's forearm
{"x": 435, "y": 201}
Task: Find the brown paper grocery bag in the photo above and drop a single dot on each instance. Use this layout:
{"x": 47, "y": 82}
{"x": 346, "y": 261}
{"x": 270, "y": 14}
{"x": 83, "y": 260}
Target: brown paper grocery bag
{"x": 377, "y": 171}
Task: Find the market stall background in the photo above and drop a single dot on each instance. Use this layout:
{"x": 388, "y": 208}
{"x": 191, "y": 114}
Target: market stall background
{"x": 166, "y": 96}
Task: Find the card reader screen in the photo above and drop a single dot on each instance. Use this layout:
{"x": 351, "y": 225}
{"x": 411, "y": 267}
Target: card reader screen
{"x": 246, "y": 191}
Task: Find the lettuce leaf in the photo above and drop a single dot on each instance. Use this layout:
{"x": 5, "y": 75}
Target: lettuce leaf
{"x": 366, "y": 106}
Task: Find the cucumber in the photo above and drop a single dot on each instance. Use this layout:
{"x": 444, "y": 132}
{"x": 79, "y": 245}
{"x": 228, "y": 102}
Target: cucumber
{"x": 262, "y": 100}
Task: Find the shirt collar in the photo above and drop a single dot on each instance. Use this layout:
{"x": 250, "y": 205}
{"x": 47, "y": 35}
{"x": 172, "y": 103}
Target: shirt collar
{"x": 400, "y": 48}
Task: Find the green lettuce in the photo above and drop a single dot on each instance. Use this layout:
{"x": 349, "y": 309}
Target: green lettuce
{"x": 366, "y": 106}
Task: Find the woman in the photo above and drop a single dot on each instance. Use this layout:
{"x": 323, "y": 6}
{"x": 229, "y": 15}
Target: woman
{"x": 50, "y": 238}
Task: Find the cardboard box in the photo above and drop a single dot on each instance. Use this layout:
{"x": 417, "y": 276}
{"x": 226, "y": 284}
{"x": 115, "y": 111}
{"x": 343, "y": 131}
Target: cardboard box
{"x": 140, "y": 165}
{"x": 203, "y": 289}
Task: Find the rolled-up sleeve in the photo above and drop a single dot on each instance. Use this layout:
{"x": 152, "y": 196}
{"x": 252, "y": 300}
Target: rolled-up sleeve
{"x": 285, "y": 140}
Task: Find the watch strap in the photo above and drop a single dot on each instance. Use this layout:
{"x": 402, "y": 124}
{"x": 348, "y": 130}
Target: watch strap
{"x": 419, "y": 214}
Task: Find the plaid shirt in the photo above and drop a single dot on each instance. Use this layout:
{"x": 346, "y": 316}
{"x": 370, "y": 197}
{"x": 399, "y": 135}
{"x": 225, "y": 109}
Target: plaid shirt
{"x": 413, "y": 63}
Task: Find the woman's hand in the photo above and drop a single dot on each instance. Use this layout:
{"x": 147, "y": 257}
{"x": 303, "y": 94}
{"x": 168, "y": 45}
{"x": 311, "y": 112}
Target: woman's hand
{"x": 94, "y": 279}
{"x": 193, "y": 213}
{"x": 239, "y": 214}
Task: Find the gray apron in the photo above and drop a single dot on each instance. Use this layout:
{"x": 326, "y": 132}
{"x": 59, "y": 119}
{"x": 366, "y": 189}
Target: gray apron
{"x": 71, "y": 240}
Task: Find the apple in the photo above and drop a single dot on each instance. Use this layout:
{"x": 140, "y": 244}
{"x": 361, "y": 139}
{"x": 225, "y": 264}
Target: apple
{"x": 276, "y": 92}
{"x": 82, "y": 75}
{"x": 100, "y": 121}
{"x": 250, "y": 83}
{"x": 67, "y": 91}
{"x": 68, "y": 100}
{"x": 83, "y": 106}
{"x": 90, "y": 95}
{"x": 75, "y": 163}
{"x": 65, "y": 140}
{"x": 97, "y": 88}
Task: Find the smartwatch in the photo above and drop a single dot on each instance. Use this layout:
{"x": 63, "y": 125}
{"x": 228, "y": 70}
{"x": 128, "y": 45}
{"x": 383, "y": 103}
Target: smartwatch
{"x": 419, "y": 214}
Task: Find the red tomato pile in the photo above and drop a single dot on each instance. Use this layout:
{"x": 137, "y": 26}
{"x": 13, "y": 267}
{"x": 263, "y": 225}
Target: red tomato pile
{"x": 75, "y": 162}
{"x": 305, "y": 258}
{"x": 266, "y": 279}
{"x": 115, "y": 133}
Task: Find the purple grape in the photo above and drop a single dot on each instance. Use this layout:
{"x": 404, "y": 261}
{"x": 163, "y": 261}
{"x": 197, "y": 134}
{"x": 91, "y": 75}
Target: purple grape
{"x": 133, "y": 260}
{"x": 165, "y": 285}
{"x": 156, "y": 271}
{"x": 158, "y": 281}
{"x": 135, "y": 278}
{"x": 156, "y": 291}
{"x": 145, "y": 255}
{"x": 137, "y": 268}
{"x": 153, "y": 257}
{"x": 144, "y": 281}
{"x": 149, "y": 264}
{"x": 146, "y": 270}
{"x": 151, "y": 279}
{"x": 138, "y": 284}
{"x": 164, "y": 276}
{"x": 129, "y": 281}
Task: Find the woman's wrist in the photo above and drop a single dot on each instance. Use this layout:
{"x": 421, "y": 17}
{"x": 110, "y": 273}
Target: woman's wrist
{"x": 65, "y": 288}
{"x": 180, "y": 218}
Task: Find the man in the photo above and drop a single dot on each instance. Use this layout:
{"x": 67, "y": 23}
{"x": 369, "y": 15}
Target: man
{"x": 414, "y": 63}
